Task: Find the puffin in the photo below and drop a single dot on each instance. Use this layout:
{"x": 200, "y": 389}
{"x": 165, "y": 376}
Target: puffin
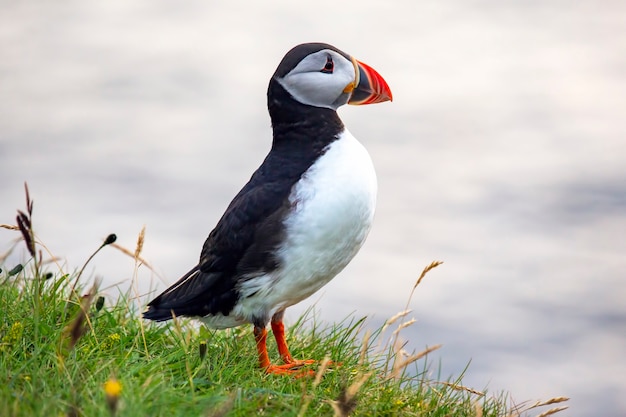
{"x": 302, "y": 216}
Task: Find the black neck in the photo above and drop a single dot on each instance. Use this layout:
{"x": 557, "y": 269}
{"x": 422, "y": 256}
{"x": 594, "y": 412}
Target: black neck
{"x": 301, "y": 135}
{"x": 294, "y": 122}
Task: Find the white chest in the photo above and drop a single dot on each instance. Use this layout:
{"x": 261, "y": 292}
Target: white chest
{"x": 333, "y": 208}
{"x": 334, "y": 205}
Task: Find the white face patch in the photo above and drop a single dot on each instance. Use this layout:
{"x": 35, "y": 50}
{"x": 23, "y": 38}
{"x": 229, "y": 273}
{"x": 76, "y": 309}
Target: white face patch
{"x": 309, "y": 84}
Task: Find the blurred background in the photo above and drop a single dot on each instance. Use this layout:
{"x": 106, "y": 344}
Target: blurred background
{"x": 503, "y": 154}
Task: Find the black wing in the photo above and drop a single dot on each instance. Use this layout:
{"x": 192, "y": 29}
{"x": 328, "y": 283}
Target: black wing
{"x": 241, "y": 244}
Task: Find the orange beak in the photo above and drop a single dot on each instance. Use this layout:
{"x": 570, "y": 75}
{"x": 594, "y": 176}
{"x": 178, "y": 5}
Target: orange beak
{"x": 370, "y": 87}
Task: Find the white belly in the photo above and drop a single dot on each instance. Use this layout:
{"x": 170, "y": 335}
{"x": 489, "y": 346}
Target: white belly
{"x": 333, "y": 208}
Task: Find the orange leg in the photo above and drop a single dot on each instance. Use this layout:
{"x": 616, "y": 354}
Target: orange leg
{"x": 260, "y": 335}
{"x": 278, "y": 328}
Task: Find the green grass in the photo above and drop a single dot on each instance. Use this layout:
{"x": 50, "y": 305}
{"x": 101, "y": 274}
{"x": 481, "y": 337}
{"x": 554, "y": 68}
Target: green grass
{"x": 61, "y": 343}
{"x": 162, "y": 373}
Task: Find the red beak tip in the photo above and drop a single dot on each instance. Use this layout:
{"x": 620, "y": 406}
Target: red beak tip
{"x": 376, "y": 86}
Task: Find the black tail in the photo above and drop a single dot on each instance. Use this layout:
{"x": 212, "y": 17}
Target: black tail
{"x": 157, "y": 314}
{"x": 167, "y": 304}
{"x": 196, "y": 294}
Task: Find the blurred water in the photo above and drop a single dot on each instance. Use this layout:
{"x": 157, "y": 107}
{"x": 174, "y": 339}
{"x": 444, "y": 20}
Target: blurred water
{"x": 503, "y": 154}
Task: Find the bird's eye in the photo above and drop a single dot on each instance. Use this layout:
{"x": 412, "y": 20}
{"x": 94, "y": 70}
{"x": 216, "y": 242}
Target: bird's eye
{"x": 328, "y": 68}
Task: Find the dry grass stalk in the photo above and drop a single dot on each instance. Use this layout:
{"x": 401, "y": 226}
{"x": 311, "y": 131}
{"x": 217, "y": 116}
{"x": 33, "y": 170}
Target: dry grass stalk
{"x": 463, "y": 388}
{"x": 78, "y": 328}
{"x": 478, "y": 409}
{"x": 552, "y": 411}
{"x": 364, "y": 345}
{"x": 515, "y": 410}
{"x": 132, "y": 255}
{"x": 403, "y": 326}
{"x": 399, "y": 366}
{"x": 433, "y": 265}
{"x": 147, "y": 382}
{"x": 138, "y": 261}
{"x": 140, "y": 240}
{"x": 518, "y": 409}
{"x": 346, "y": 402}
{"x": 398, "y": 347}
{"x": 178, "y": 329}
{"x": 8, "y": 253}
{"x": 320, "y": 372}
{"x": 393, "y": 319}
{"x": 554, "y": 400}
{"x": 306, "y": 398}
{"x": 354, "y": 388}
{"x": 399, "y": 315}
{"x": 52, "y": 260}
{"x": 15, "y": 242}
{"x": 403, "y": 353}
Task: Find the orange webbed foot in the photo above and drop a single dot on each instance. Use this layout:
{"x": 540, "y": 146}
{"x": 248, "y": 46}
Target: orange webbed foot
{"x": 298, "y": 363}
{"x": 294, "y": 367}
{"x": 291, "y": 369}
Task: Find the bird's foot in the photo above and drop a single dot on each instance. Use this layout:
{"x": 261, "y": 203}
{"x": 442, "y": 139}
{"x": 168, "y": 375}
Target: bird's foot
{"x": 298, "y": 363}
{"x": 294, "y": 362}
{"x": 293, "y": 369}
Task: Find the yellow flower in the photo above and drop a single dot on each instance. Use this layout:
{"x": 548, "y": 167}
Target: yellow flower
{"x": 111, "y": 340}
{"x": 112, "y": 389}
{"x": 12, "y": 336}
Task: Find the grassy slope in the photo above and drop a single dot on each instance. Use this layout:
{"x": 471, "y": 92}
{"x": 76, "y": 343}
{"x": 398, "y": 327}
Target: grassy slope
{"x": 163, "y": 374}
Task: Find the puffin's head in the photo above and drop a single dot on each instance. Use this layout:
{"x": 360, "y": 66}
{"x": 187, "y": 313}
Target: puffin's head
{"x": 320, "y": 75}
